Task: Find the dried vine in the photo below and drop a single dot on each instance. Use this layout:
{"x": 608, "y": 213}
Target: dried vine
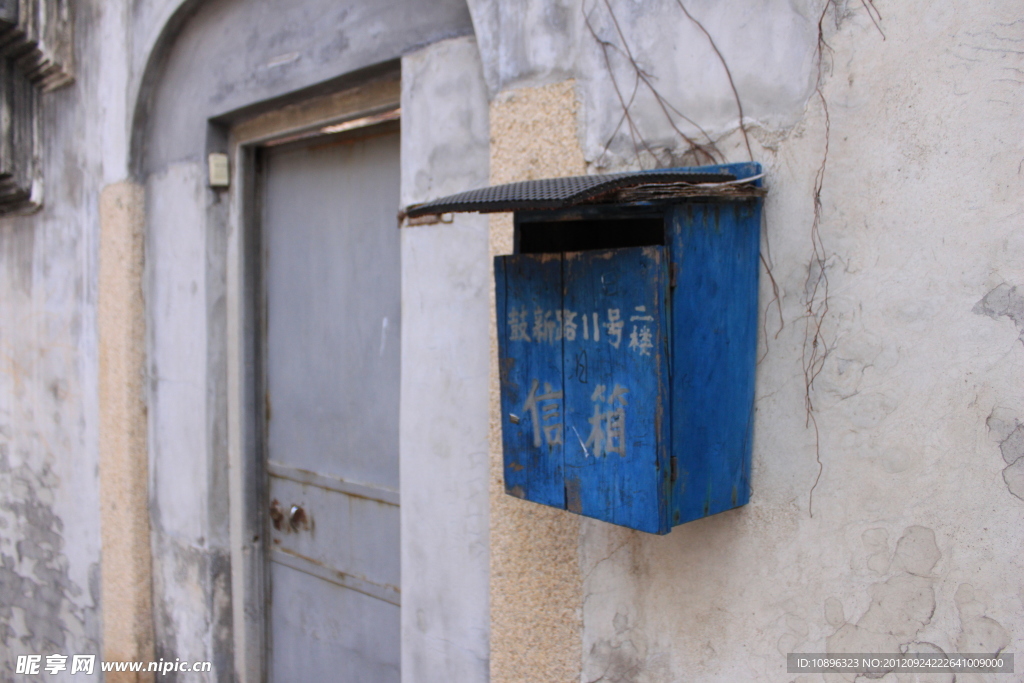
{"x": 728, "y": 74}
{"x": 816, "y": 350}
{"x": 701, "y": 151}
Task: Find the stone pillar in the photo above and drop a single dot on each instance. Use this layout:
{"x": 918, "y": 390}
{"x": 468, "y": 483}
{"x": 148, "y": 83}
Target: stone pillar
{"x": 536, "y": 587}
{"x": 126, "y": 576}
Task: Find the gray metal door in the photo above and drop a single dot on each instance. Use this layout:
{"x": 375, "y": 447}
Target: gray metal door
{"x": 331, "y": 376}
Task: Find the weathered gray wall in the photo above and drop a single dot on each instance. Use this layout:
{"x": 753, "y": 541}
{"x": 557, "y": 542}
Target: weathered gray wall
{"x": 49, "y": 496}
{"x": 150, "y": 75}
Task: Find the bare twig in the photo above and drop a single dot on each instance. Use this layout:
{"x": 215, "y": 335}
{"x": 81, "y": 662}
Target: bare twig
{"x": 816, "y": 310}
{"x": 728, "y": 73}
{"x": 703, "y": 151}
{"x": 774, "y": 300}
{"x": 769, "y": 265}
{"x": 627, "y": 117}
{"x": 817, "y": 457}
{"x": 815, "y": 349}
{"x": 875, "y": 15}
{"x": 623, "y": 119}
{"x": 817, "y": 281}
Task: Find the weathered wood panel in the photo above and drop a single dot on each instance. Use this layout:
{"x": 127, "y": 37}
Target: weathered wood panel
{"x": 616, "y": 388}
{"x": 529, "y": 304}
{"x": 715, "y": 248}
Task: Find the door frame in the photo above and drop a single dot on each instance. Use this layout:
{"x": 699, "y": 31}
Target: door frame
{"x": 351, "y": 108}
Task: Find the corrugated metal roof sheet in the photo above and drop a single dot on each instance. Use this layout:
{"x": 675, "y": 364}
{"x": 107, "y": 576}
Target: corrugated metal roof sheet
{"x": 559, "y": 193}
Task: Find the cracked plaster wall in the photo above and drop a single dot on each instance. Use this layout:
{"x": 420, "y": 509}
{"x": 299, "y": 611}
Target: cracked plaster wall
{"x": 916, "y": 539}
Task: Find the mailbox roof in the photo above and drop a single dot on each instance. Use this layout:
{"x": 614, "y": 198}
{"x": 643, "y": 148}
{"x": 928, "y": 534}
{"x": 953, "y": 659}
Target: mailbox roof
{"x": 560, "y": 193}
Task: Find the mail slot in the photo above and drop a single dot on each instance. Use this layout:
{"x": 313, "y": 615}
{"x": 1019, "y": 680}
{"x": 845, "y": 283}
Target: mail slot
{"x": 627, "y": 339}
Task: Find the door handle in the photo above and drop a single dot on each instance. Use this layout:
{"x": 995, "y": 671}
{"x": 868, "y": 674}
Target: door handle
{"x": 297, "y": 518}
{"x": 276, "y": 514}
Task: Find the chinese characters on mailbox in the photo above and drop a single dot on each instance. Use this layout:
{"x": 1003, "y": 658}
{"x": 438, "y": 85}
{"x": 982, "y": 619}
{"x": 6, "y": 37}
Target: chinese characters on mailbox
{"x": 607, "y": 425}
{"x": 549, "y": 404}
{"x": 553, "y": 326}
{"x": 543, "y": 407}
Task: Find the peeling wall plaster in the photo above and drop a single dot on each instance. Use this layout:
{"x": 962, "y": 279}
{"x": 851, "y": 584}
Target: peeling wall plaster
{"x": 49, "y": 497}
{"x": 1004, "y": 302}
{"x": 1009, "y": 432}
{"x": 41, "y": 607}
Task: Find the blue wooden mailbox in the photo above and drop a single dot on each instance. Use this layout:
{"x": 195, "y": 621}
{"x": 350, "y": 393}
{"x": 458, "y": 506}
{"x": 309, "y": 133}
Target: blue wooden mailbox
{"x": 627, "y": 337}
